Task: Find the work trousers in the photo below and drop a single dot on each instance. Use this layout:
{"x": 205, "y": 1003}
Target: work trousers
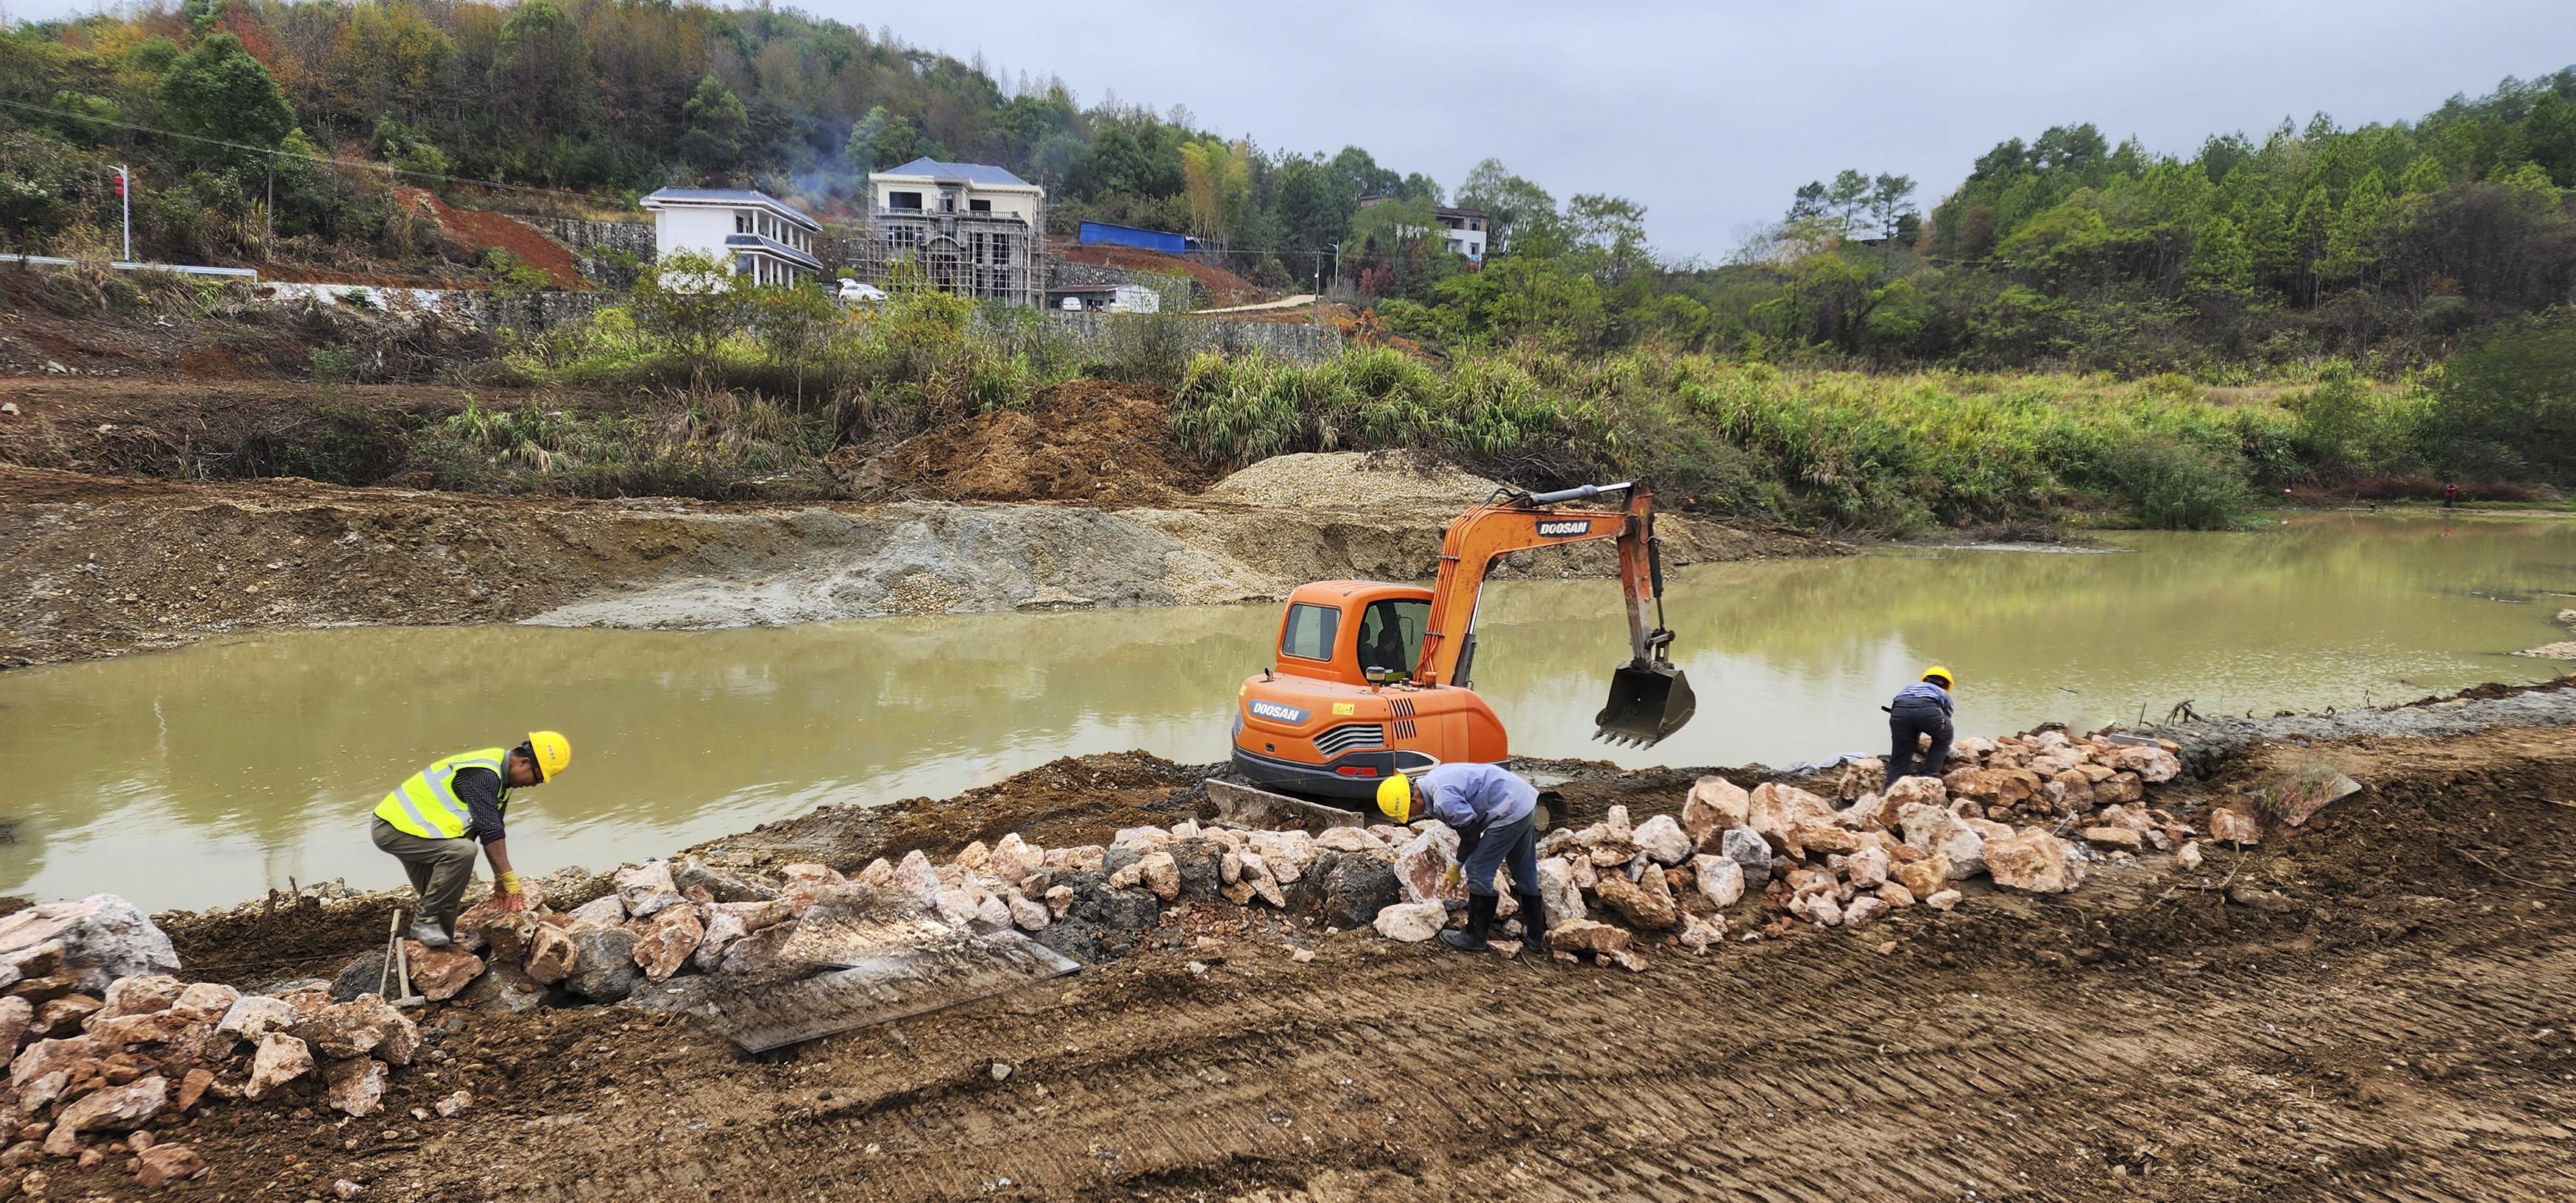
{"x": 1905, "y": 726}
{"x": 1487, "y": 848}
{"x": 440, "y": 870}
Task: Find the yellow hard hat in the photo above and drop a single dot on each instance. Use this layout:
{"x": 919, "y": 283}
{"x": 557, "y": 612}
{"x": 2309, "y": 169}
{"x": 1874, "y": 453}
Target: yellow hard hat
{"x": 553, "y": 753}
{"x": 1395, "y": 798}
{"x": 1947, "y": 681}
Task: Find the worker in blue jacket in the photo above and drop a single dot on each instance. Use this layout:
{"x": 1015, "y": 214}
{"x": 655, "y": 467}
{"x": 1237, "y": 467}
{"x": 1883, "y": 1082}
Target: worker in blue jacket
{"x": 1495, "y": 814}
{"x": 1920, "y": 709}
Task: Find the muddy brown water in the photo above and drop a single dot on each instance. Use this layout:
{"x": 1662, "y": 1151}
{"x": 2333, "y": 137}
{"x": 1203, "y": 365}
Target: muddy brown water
{"x": 204, "y": 775}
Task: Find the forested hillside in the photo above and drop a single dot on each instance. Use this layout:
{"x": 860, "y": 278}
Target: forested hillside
{"x": 2386, "y": 244}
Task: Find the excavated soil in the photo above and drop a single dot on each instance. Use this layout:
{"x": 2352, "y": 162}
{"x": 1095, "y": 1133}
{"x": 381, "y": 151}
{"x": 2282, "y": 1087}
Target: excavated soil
{"x": 1085, "y": 440}
{"x": 104, "y": 564}
{"x": 2389, "y": 1023}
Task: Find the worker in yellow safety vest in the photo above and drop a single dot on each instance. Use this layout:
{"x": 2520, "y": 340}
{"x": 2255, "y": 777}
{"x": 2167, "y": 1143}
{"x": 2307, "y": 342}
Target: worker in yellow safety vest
{"x": 434, "y": 819}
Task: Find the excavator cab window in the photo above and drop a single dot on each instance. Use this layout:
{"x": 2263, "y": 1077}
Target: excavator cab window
{"x": 1310, "y": 632}
{"x": 1391, "y": 635}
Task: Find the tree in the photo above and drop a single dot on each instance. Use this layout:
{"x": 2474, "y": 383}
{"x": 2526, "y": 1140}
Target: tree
{"x": 1610, "y": 236}
{"x": 2423, "y": 175}
{"x": 716, "y": 124}
{"x": 691, "y": 303}
{"x": 2353, "y": 240}
{"x": 881, "y": 139}
{"x": 1514, "y": 207}
{"x": 1808, "y": 204}
{"x": 1890, "y": 203}
{"x": 2308, "y": 232}
{"x": 217, "y": 90}
{"x": 541, "y": 79}
{"x": 1846, "y": 196}
{"x": 2219, "y": 264}
{"x": 1217, "y": 181}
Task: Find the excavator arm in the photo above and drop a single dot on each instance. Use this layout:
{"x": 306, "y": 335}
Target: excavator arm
{"x": 1649, "y": 698}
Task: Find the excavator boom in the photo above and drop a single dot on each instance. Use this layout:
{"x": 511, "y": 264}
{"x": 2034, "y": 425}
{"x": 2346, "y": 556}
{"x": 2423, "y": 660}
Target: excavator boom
{"x": 1649, "y": 696}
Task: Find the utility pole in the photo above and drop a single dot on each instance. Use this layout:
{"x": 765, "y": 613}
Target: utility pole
{"x": 1319, "y": 288}
{"x": 125, "y": 200}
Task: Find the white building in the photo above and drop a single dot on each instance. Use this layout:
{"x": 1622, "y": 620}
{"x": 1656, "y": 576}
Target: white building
{"x": 970, "y": 228}
{"x": 761, "y": 237}
{"x": 1466, "y": 231}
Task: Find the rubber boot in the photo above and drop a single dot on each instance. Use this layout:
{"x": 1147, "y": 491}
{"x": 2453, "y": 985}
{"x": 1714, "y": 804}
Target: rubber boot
{"x": 1533, "y": 918}
{"x": 1480, "y": 922}
{"x": 430, "y": 934}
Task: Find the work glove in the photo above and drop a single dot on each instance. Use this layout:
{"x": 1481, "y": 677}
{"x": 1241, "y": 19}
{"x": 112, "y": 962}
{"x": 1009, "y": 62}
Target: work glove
{"x": 507, "y": 894}
{"x": 1449, "y": 880}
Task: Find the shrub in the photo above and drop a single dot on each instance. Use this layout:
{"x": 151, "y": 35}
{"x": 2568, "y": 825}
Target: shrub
{"x": 2169, "y": 484}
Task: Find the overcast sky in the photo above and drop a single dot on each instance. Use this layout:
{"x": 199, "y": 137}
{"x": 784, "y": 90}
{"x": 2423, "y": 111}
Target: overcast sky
{"x": 1711, "y": 114}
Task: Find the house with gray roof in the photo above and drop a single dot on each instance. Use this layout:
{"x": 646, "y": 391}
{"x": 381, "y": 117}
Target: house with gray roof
{"x": 968, "y": 228}
{"x": 757, "y": 235}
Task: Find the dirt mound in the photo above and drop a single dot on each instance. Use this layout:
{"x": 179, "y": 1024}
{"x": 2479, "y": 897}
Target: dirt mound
{"x": 486, "y": 230}
{"x": 1223, "y": 287}
{"x": 1361, "y": 480}
{"x": 1084, "y": 440}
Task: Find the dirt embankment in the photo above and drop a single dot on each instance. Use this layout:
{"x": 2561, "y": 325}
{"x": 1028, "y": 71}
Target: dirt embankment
{"x": 112, "y": 547}
{"x": 2384, "y": 1020}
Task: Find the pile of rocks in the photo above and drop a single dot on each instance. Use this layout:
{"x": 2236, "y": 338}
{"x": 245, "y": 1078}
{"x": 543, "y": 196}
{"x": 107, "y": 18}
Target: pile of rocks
{"x": 660, "y": 926}
{"x": 2043, "y": 774}
{"x": 105, "y": 1045}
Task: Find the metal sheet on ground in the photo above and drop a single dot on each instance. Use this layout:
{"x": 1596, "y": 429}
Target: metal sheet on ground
{"x": 890, "y": 962}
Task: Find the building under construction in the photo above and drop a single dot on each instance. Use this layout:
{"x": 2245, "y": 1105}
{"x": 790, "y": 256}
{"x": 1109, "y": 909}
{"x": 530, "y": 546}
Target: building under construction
{"x": 967, "y": 228}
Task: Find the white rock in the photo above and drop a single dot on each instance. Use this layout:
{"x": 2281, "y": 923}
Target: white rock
{"x": 1161, "y": 874}
{"x": 1863, "y": 909}
{"x": 1557, "y": 890}
{"x": 1014, "y": 859}
{"x": 1866, "y": 868}
{"x": 915, "y": 877}
{"x": 255, "y": 1015}
{"x": 1821, "y": 909}
{"x": 1719, "y": 879}
{"x": 1715, "y": 804}
{"x": 1700, "y": 931}
{"x": 1059, "y": 899}
{"x": 1412, "y": 922}
{"x": 104, "y": 938}
{"x": 723, "y": 928}
{"x": 1943, "y": 900}
{"x": 1934, "y": 829}
{"x": 1616, "y": 828}
{"x": 1186, "y": 829}
{"x": 281, "y": 1059}
{"x": 1662, "y": 838}
{"x": 955, "y": 906}
{"x": 1142, "y": 839}
{"x": 1347, "y": 840}
{"x": 2189, "y": 858}
{"x": 646, "y": 889}
{"x": 1029, "y": 915}
{"x": 607, "y": 910}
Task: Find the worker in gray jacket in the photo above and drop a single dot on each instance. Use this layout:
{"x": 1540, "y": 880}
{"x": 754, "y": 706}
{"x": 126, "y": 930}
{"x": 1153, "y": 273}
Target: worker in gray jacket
{"x": 1920, "y": 709}
{"x": 1495, "y": 814}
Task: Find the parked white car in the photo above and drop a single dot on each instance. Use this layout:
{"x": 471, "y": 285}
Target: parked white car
{"x": 853, "y": 292}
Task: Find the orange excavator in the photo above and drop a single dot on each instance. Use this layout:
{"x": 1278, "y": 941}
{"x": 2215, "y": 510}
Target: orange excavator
{"x": 1373, "y": 678}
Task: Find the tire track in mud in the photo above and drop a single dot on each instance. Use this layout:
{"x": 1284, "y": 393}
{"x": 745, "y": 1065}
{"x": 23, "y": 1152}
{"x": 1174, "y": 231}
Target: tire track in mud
{"x": 2403, "y": 1034}
{"x": 1832, "y": 1079}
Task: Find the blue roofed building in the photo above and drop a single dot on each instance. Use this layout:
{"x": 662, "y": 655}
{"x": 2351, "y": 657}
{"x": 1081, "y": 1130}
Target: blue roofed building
{"x": 968, "y": 228}
{"x": 755, "y": 234}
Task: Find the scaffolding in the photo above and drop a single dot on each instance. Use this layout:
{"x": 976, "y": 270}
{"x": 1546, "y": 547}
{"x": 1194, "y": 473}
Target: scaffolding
{"x": 984, "y": 255}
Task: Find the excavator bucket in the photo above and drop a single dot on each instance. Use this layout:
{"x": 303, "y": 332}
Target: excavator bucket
{"x": 1647, "y": 703}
